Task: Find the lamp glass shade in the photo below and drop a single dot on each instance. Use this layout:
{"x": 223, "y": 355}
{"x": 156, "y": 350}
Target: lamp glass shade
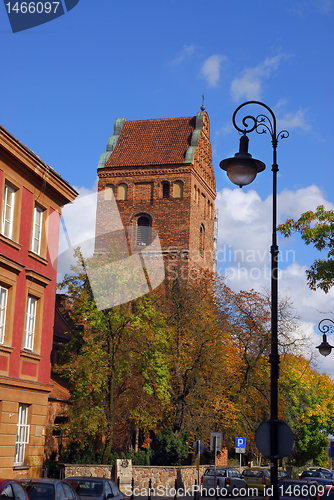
{"x": 324, "y": 348}
{"x": 240, "y": 173}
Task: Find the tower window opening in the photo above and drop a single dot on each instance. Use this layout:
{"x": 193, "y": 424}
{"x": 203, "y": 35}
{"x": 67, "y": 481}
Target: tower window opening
{"x": 122, "y": 191}
{"x": 178, "y": 189}
{"x": 143, "y": 231}
{"x": 201, "y": 240}
{"x": 109, "y": 192}
{"x": 165, "y": 190}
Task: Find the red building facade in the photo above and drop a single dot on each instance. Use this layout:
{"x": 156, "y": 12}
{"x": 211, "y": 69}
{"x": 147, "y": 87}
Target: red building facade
{"x": 30, "y": 192}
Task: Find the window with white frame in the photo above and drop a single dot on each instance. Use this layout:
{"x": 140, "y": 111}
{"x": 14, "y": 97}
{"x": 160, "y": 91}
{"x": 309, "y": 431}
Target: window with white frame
{"x": 37, "y": 229}
{"x": 8, "y": 211}
{"x": 3, "y": 306}
{"x": 22, "y": 434}
{"x": 30, "y": 323}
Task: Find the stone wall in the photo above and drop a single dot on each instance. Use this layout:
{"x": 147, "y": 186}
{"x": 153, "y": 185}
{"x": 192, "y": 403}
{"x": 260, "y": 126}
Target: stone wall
{"x": 165, "y": 477}
{"x": 89, "y": 470}
{"x": 185, "y": 476}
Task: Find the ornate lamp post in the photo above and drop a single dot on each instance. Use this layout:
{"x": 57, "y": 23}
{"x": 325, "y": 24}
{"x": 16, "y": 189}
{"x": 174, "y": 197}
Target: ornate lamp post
{"x": 242, "y": 170}
{"x": 325, "y": 348}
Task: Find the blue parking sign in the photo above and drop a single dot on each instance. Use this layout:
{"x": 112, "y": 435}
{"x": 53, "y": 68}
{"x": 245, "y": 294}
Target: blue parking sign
{"x": 240, "y": 442}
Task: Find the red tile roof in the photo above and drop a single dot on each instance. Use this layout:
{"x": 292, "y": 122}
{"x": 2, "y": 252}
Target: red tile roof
{"x": 153, "y": 142}
{"x": 60, "y": 388}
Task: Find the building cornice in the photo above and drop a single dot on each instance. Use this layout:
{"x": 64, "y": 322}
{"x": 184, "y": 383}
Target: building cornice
{"x": 36, "y": 166}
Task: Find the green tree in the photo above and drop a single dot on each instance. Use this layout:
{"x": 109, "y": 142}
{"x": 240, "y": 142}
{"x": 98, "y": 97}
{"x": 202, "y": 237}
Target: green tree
{"x": 316, "y": 228}
{"x": 119, "y": 352}
{"x": 308, "y": 409}
{"x": 168, "y": 449}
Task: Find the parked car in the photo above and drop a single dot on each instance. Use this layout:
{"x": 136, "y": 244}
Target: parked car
{"x": 228, "y": 480}
{"x": 328, "y": 493}
{"x": 257, "y": 477}
{"x": 97, "y": 488}
{"x": 12, "y": 489}
{"x": 299, "y": 488}
{"x": 323, "y": 481}
{"x": 311, "y": 473}
{"x": 48, "y": 489}
{"x": 329, "y": 474}
{"x": 282, "y": 474}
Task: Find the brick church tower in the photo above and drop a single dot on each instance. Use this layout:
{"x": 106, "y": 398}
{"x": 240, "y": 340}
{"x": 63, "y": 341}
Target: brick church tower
{"x": 160, "y": 173}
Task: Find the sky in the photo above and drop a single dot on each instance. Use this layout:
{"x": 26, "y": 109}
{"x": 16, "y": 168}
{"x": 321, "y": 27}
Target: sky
{"x": 65, "y": 82}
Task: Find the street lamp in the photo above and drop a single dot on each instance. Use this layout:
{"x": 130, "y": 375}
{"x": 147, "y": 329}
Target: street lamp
{"x": 325, "y": 348}
{"x": 242, "y": 170}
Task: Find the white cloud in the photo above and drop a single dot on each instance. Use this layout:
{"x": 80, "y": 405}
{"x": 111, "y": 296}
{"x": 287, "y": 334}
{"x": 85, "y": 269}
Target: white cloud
{"x": 294, "y": 120}
{"x": 78, "y": 219}
{"x": 211, "y": 69}
{"x": 187, "y": 51}
{"x": 249, "y": 85}
{"x": 244, "y": 239}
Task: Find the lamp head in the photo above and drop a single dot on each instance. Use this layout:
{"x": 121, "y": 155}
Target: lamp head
{"x": 242, "y": 168}
{"x": 324, "y": 348}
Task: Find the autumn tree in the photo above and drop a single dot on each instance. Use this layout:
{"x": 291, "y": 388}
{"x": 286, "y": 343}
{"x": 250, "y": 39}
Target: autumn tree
{"x": 308, "y": 409}
{"x": 117, "y": 362}
{"x": 247, "y": 317}
{"x": 201, "y": 362}
{"x": 317, "y": 229}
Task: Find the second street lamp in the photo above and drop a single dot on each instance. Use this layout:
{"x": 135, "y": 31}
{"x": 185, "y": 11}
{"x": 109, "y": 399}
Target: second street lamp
{"x": 325, "y": 348}
{"x": 242, "y": 170}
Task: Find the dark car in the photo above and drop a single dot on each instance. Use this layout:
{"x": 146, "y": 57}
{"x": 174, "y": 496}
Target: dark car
{"x": 306, "y": 489}
{"x": 282, "y": 474}
{"x": 12, "y": 489}
{"x": 48, "y": 489}
{"x": 95, "y": 488}
{"x": 328, "y": 493}
{"x": 311, "y": 473}
{"x": 324, "y": 481}
{"x": 228, "y": 480}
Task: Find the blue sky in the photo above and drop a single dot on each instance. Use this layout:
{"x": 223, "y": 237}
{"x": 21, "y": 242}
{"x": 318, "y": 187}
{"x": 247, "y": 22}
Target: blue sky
{"x": 64, "y": 83}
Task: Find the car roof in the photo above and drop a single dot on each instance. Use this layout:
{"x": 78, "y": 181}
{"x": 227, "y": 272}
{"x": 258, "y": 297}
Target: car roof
{"x": 303, "y": 481}
{"x": 221, "y": 467}
{"x": 256, "y": 468}
{"x": 88, "y": 478}
{"x": 39, "y": 480}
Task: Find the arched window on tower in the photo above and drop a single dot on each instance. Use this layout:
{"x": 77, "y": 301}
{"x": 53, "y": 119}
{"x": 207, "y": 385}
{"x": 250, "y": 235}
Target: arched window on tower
{"x": 201, "y": 240}
{"x": 178, "y": 189}
{"x": 143, "y": 230}
{"x": 109, "y": 192}
{"x": 165, "y": 189}
{"x": 122, "y": 191}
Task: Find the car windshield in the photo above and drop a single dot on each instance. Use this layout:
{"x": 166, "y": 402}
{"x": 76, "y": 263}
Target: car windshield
{"x": 219, "y": 472}
{"x": 39, "y": 491}
{"x": 253, "y": 473}
{"x": 88, "y": 488}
